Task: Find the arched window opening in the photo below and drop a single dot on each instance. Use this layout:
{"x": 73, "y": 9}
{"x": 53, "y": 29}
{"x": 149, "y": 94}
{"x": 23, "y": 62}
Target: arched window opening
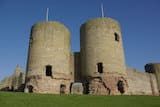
{"x": 100, "y": 67}
{"x": 48, "y": 70}
{"x": 117, "y": 38}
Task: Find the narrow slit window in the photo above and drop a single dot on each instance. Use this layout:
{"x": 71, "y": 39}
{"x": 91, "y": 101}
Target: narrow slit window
{"x": 48, "y": 70}
{"x": 117, "y": 38}
{"x": 100, "y": 67}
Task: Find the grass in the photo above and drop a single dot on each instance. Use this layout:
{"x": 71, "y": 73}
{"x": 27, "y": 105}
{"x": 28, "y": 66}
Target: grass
{"x": 8, "y": 99}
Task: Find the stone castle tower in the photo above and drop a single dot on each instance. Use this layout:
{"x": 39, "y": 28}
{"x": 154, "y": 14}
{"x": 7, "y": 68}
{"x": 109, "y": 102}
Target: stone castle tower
{"x": 102, "y": 56}
{"x": 101, "y": 60}
{"x": 48, "y": 67}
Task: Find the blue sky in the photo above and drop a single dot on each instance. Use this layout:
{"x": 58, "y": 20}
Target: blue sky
{"x": 139, "y": 20}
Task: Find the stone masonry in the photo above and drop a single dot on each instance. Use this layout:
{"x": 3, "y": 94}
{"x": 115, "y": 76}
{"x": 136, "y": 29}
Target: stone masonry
{"x": 14, "y": 82}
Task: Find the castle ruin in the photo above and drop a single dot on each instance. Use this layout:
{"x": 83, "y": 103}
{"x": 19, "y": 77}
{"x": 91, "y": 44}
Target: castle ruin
{"x": 99, "y": 68}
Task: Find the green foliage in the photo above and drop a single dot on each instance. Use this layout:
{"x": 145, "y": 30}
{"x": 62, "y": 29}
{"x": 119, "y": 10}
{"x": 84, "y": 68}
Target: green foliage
{"x": 8, "y": 99}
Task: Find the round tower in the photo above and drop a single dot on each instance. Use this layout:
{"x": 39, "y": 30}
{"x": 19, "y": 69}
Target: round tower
{"x": 48, "y": 58}
{"x": 102, "y": 56}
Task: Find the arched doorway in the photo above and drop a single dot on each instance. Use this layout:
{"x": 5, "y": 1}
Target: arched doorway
{"x": 30, "y": 88}
{"x": 62, "y": 89}
{"x": 120, "y": 86}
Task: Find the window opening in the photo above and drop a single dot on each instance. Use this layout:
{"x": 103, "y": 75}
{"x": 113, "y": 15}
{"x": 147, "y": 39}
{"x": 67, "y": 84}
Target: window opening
{"x": 100, "y": 67}
{"x": 116, "y": 37}
{"x": 48, "y": 70}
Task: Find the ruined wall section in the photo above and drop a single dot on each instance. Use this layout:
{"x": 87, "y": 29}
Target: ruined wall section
{"x": 18, "y": 79}
{"x": 141, "y": 83}
{"x": 6, "y": 84}
{"x": 15, "y": 82}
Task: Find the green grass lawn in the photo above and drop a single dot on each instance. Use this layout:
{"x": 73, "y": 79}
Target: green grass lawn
{"x": 8, "y": 99}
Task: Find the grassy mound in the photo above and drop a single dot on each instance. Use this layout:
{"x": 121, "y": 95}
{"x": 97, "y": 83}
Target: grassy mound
{"x": 8, "y": 99}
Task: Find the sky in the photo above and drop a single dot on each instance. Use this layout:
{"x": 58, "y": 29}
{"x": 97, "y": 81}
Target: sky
{"x": 139, "y": 21}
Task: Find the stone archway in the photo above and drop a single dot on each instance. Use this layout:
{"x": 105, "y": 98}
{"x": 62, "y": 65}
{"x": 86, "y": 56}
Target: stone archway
{"x": 62, "y": 89}
{"x": 120, "y": 86}
{"x": 30, "y": 88}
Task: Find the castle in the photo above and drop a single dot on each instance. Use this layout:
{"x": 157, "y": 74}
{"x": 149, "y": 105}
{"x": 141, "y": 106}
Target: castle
{"x": 99, "y": 68}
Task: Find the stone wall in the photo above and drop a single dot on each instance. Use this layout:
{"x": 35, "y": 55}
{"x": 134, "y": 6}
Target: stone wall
{"x": 77, "y": 70}
{"x": 141, "y": 83}
{"x": 5, "y": 84}
{"x": 108, "y": 85}
{"x": 18, "y": 78}
{"x": 43, "y": 84}
{"x": 154, "y": 68}
{"x": 14, "y": 82}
